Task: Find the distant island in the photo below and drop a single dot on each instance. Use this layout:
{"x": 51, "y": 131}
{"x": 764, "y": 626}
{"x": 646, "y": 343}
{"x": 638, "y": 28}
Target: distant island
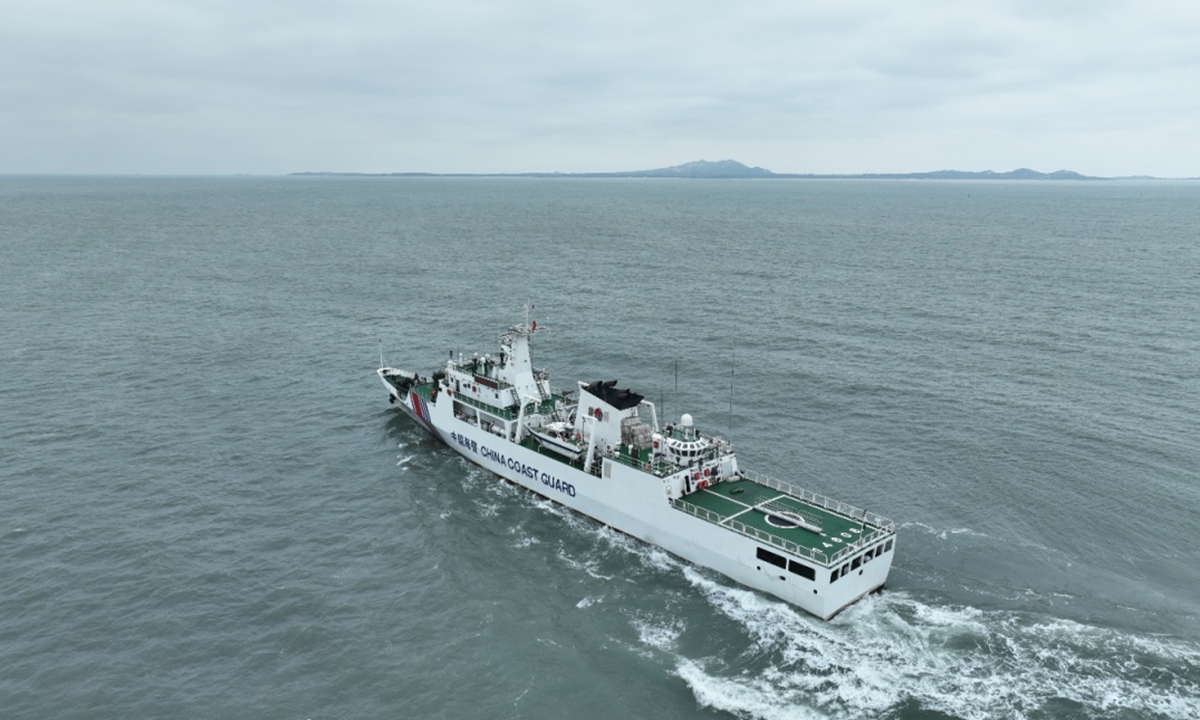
{"x": 732, "y": 169}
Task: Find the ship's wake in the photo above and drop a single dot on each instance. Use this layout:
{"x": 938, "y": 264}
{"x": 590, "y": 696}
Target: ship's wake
{"x": 889, "y": 655}
{"x": 896, "y": 651}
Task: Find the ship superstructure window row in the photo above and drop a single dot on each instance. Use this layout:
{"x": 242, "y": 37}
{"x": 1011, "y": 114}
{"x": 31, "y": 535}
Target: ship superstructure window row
{"x": 802, "y": 570}
{"x": 861, "y": 560}
{"x": 774, "y": 558}
{"x": 792, "y": 566}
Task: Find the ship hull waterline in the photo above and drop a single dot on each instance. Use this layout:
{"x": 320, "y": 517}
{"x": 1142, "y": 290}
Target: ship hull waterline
{"x": 622, "y": 499}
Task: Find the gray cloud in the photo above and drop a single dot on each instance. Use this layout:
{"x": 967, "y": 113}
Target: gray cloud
{"x": 210, "y": 86}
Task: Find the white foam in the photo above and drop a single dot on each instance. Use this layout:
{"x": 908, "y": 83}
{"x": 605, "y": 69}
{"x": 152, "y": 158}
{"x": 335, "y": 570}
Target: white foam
{"x": 747, "y": 696}
{"x": 658, "y": 634}
{"x": 943, "y": 533}
{"x": 487, "y": 509}
{"x": 948, "y": 533}
{"x": 961, "y": 531}
{"x": 657, "y": 558}
{"x": 525, "y": 541}
{"x": 589, "y": 566}
{"x": 963, "y": 661}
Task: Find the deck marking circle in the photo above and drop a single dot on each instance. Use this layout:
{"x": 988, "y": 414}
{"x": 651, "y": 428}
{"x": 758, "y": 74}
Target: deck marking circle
{"x": 781, "y": 522}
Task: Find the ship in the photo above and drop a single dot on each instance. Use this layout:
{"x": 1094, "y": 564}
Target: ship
{"x": 602, "y": 451}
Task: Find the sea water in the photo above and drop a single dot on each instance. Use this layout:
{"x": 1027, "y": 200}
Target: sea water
{"x": 209, "y": 509}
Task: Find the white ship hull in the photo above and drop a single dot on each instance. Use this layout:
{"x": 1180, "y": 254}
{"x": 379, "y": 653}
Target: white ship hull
{"x": 637, "y": 503}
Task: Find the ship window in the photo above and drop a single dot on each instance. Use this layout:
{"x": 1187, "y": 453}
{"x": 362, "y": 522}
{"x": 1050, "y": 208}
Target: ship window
{"x": 802, "y": 570}
{"x": 888, "y": 547}
{"x": 846, "y": 568}
{"x": 767, "y": 556}
{"x": 833, "y": 576}
{"x": 855, "y": 562}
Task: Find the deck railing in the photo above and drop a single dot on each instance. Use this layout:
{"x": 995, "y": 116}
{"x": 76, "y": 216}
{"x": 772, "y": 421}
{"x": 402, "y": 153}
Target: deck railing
{"x": 497, "y": 411}
{"x": 821, "y": 501}
{"x": 475, "y": 368}
{"x": 742, "y": 528}
{"x": 544, "y": 407}
{"x": 818, "y": 556}
{"x": 874, "y": 526}
{"x": 655, "y": 466}
{"x": 425, "y": 390}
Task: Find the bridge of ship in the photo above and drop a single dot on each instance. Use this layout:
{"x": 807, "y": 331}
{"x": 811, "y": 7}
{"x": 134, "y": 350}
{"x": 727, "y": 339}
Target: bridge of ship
{"x": 542, "y": 407}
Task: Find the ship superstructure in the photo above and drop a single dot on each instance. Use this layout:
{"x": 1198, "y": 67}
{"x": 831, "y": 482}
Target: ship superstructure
{"x": 601, "y": 450}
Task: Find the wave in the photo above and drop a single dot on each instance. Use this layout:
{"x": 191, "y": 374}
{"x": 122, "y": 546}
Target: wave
{"x": 944, "y": 533}
{"x": 895, "y": 650}
{"x": 889, "y": 654}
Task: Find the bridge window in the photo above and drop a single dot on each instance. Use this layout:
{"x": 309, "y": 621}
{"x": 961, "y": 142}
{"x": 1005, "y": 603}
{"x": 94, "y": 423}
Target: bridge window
{"x": 855, "y": 562}
{"x": 888, "y": 547}
{"x": 802, "y": 570}
{"x": 767, "y": 556}
{"x": 833, "y": 576}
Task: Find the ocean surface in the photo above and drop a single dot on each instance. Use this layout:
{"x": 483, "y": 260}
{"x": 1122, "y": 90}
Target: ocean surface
{"x": 208, "y": 509}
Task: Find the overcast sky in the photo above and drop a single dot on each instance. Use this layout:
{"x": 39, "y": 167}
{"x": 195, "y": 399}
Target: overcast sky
{"x": 844, "y": 86}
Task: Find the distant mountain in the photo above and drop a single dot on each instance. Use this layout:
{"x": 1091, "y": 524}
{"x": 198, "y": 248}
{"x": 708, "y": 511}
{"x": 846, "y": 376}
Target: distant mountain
{"x": 704, "y": 169}
{"x": 735, "y": 169}
{"x": 1018, "y": 174}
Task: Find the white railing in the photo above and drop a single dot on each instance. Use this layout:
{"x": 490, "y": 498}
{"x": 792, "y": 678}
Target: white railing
{"x": 817, "y": 556}
{"x": 834, "y": 506}
{"x": 874, "y": 526}
{"x": 864, "y": 540}
{"x": 742, "y": 528}
{"x": 657, "y": 467}
{"x": 497, "y": 411}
